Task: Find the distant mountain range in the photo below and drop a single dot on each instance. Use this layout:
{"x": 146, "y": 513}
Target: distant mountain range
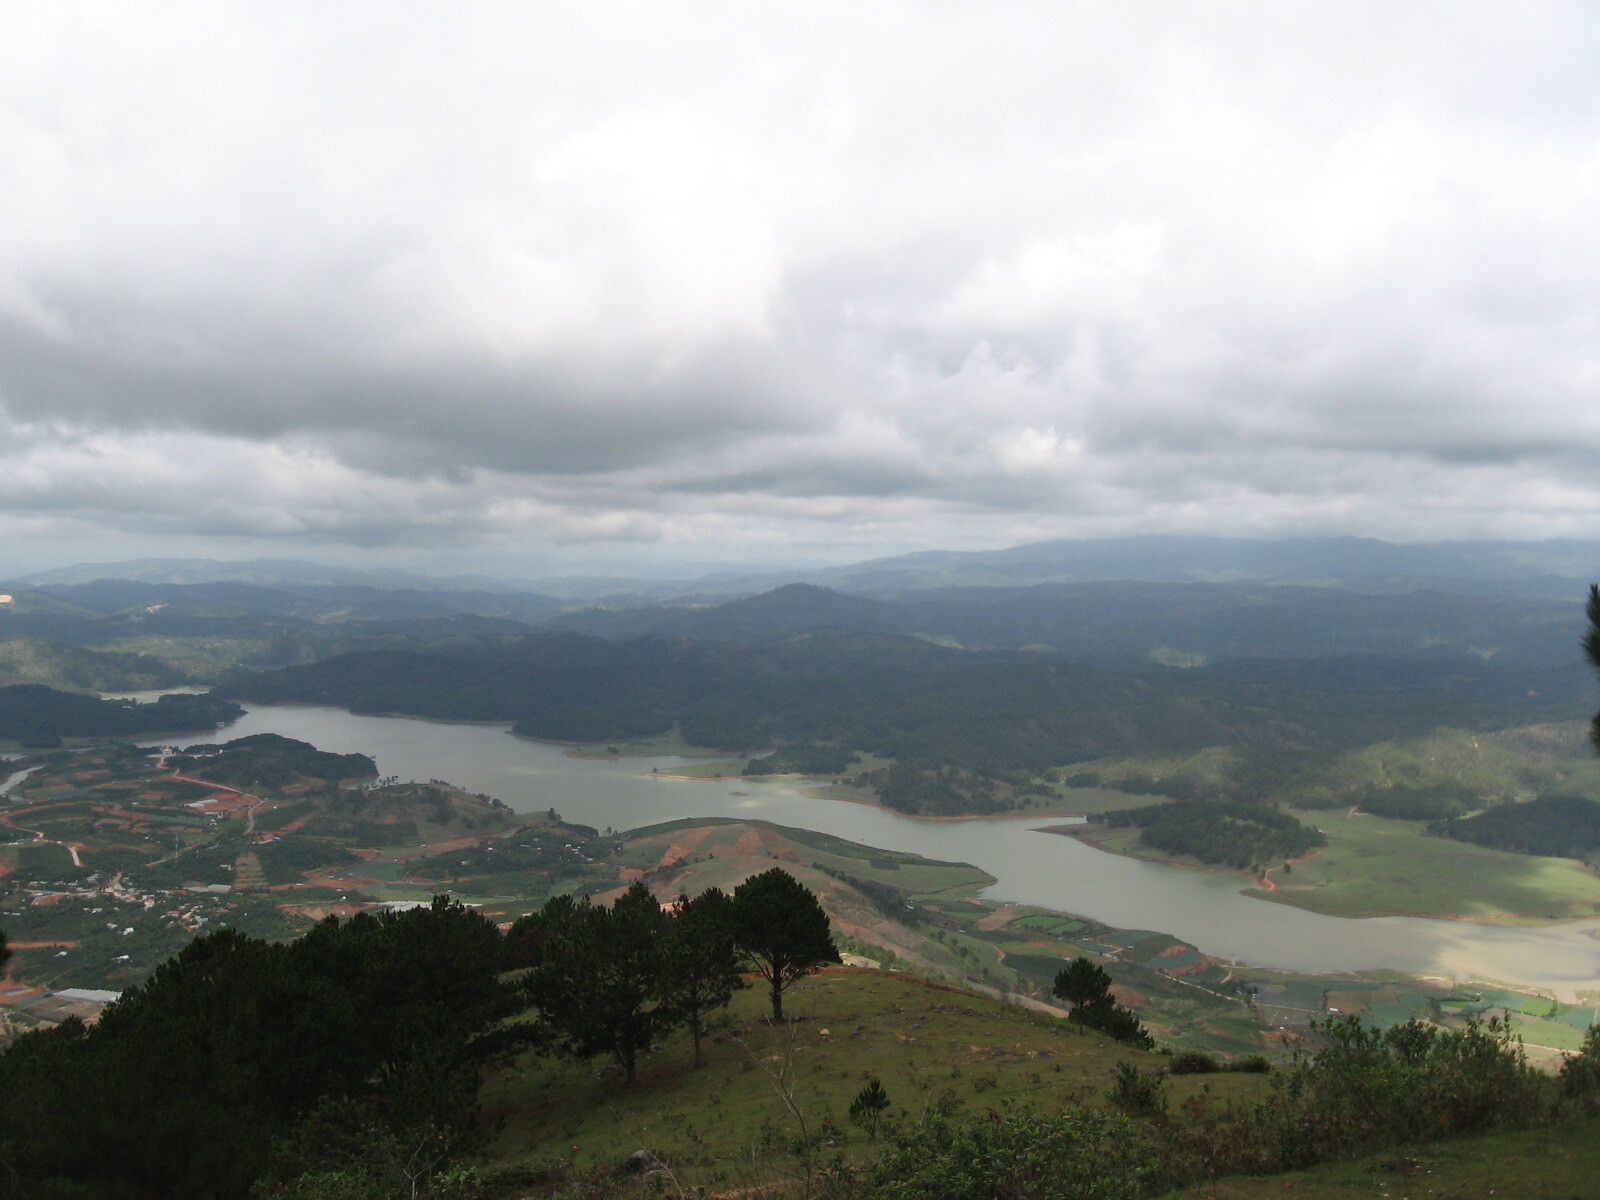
{"x": 1015, "y": 660}
{"x": 1545, "y": 569}
{"x": 1171, "y": 624}
{"x": 263, "y": 572}
{"x": 1180, "y": 602}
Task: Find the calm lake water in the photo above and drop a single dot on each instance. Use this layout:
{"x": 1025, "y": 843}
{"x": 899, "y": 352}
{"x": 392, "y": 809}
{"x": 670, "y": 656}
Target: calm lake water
{"x": 1202, "y": 907}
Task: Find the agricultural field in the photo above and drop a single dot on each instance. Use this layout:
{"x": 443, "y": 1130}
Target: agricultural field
{"x": 111, "y": 859}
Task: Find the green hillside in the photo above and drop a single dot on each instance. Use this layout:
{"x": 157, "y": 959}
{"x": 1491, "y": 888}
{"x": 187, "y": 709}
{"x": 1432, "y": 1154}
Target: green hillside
{"x": 732, "y": 1123}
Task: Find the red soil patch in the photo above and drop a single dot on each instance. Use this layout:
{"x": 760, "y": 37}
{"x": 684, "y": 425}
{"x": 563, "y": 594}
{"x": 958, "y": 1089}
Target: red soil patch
{"x": 673, "y": 856}
{"x": 1000, "y": 918}
{"x": 679, "y": 851}
{"x": 753, "y": 844}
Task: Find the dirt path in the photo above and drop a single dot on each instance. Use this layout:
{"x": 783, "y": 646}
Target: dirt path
{"x": 71, "y": 848}
{"x": 1267, "y": 884}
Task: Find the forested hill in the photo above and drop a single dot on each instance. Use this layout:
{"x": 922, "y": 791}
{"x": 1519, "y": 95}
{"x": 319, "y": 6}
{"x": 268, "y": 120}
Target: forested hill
{"x": 907, "y": 698}
{"x": 39, "y": 716}
{"x": 1134, "y": 622}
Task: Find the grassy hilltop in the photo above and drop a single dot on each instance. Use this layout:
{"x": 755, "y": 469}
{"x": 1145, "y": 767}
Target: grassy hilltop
{"x": 736, "y": 1126}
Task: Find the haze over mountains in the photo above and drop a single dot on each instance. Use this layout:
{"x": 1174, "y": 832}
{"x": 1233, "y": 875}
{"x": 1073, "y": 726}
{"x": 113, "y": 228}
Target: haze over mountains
{"x": 1171, "y": 643}
{"x": 1364, "y": 564}
{"x": 1175, "y": 602}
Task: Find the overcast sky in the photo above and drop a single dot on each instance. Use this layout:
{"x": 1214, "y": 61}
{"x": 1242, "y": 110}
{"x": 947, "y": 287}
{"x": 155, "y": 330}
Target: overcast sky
{"x": 791, "y": 282}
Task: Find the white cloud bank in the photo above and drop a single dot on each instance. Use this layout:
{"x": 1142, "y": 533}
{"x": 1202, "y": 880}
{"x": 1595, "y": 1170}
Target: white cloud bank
{"x": 751, "y": 275}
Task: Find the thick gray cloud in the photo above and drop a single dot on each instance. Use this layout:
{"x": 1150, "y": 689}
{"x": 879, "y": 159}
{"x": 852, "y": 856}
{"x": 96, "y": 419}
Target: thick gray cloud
{"x": 725, "y": 275}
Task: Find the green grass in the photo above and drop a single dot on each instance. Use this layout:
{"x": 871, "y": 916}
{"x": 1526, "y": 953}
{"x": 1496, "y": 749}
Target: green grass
{"x": 1560, "y": 1162}
{"x": 650, "y": 747}
{"x": 1554, "y": 1035}
{"x": 712, "y": 769}
{"x": 715, "y": 1123}
{"x": 1083, "y": 801}
{"x": 1373, "y": 867}
{"x": 35, "y": 858}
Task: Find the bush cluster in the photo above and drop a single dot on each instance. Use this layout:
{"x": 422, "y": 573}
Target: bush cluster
{"x": 1362, "y": 1091}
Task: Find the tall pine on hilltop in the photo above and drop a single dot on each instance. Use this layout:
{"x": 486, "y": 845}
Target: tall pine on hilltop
{"x": 782, "y": 929}
{"x": 702, "y": 960}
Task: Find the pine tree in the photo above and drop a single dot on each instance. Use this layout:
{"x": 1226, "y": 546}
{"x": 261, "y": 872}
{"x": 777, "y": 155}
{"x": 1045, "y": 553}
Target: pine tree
{"x": 1591, "y": 650}
{"x": 703, "y": 963}
{"x": 782, "y": 930}
{"x": 867, "y": 1109}
{"x": 599, "y": 976}
{"x": 1088, "y": 988}
{"x": 1081, "y": 983}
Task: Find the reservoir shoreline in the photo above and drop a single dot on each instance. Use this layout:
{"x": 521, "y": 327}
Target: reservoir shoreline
{"x": 1205, "y": 908}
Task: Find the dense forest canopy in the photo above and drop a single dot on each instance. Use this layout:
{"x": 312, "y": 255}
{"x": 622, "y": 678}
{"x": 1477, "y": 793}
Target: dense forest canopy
{"x": 272, "y": 760}
{"x": 1227, "y": 833}
{"x": 242, "y": 1063}
{"x": 40, "y": 716}
{"x": 188, "y": 1084}
{"x": 1557, "y": 826}
{"x": 899, "y": 697}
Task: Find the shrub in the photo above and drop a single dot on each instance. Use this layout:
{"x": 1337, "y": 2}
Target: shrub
{"x": 1580, "y": 1074}
{"x": 1367, "y": 1089}
{"x": 1016, "y": 1154}
{"x": 1192, "y": 1062}
{"x": 867, "y": 1109}
{"x": 1136, "y": 1093}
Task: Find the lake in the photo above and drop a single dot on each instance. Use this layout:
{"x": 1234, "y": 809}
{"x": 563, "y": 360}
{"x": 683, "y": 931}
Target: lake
{"x": 1204, "y": 908}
